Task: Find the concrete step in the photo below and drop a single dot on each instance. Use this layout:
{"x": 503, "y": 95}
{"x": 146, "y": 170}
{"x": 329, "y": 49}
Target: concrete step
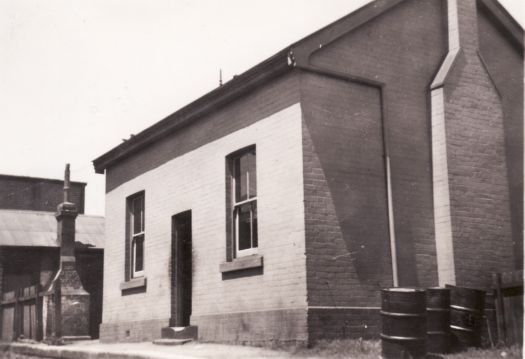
{"x": 171, "y": 341}
{"x": 189, "y": 332}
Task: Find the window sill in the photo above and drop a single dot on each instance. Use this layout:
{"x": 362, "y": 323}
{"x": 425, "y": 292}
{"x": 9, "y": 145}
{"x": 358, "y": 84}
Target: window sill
{"x": 248, "y": 262}
{"x": 133, "y": 283}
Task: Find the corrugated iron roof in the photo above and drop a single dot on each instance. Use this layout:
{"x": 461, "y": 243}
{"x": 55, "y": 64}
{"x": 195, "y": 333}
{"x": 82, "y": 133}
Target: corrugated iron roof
{"x": 39, "y": 229}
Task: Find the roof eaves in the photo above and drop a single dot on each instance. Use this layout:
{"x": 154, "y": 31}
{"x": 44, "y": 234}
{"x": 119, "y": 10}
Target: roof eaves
{"x": 238, "y": 86}
{"x": 505, "y": 20}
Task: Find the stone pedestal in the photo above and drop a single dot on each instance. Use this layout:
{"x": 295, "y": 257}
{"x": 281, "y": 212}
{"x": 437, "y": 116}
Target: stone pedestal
{"x": 74, "y": 304}
{"x": 68, "y": 301}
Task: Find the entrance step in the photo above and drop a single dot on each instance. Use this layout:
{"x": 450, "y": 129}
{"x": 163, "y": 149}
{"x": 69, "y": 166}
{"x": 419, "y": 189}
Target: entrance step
{"x": 171, "y": 341}
{"x": 189, "y": 332}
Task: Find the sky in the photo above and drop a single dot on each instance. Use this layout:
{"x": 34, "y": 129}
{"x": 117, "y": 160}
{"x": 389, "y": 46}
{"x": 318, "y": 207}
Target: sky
{"x": 79, "y": 76}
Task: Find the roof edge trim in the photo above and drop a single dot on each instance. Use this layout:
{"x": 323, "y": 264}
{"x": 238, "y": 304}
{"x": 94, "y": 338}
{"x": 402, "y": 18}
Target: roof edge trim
{"x": 238, "y": 86}
{"x": 505, "y": 20}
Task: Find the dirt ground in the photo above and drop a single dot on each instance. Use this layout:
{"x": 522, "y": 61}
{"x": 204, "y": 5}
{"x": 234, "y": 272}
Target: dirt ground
{"x": 351, "y": 349}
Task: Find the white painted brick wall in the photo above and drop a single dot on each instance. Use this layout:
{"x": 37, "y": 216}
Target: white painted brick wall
{"x": 196, "y": 181}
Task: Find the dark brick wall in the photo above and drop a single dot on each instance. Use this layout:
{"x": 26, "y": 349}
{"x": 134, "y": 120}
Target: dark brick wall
{"x": 340, "y": 323}
{"x": 265, "y": 327}
{"x": 347, "y": 243}
{"x": 500, "y": 56}
{"x": 90, "y": 267}
{"x": 403, "y": 48}
{"x": 37, "y": 194}
{"x": 259, "y": 104}
{"x": 478, "y": 160}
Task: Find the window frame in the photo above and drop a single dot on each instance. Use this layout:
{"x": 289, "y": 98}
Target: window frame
{"x": 132, "y": 237}
{"x": 234, "y": 206}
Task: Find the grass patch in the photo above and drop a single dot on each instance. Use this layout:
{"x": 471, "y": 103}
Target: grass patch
{"x": 358, "y": 349}
{"x": 368, "y": 349}
{"x": 514, "y": 352}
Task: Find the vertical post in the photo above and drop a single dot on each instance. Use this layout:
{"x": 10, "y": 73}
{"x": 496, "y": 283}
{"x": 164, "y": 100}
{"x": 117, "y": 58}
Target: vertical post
{"x": 67, "y": 184}
{"x": 18, "y": 315}
{"x": 38, "y": 312}
{"x": 388, "y": 174}
{"x": 391, "y": 227}
{"x": 500, "y": 312}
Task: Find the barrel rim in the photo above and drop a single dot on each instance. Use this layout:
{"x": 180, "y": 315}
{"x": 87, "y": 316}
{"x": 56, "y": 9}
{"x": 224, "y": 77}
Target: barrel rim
{"x": 398, "y": 314}
{"x": 444, "y": 289}
{"x": 462, "y": 329}
{"x": 466, "y": 309}
{"x": 398, "y": 338}
{"x": 403, "y": 290}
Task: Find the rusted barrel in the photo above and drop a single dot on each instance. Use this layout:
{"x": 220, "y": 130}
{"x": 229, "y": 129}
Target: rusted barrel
{"x": 438, "y": 320}
{"x": 466, "y": 316}
{"x": 403, "y": 313}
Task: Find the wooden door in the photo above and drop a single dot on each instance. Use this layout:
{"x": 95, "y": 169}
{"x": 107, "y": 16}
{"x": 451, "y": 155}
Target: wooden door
{"x": 181, "y": 270}
{"x": 8, "y": 322}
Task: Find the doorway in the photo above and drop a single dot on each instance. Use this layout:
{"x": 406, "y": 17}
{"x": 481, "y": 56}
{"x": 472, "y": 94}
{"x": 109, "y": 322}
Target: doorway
{"x": 181, "y": 272}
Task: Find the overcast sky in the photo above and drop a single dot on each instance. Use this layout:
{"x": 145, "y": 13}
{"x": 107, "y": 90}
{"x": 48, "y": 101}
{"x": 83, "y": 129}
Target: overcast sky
{"x": 76, "y": 77}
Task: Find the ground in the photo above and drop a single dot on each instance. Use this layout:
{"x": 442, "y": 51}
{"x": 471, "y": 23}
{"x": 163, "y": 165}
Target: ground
{"x": 352, "y": 349}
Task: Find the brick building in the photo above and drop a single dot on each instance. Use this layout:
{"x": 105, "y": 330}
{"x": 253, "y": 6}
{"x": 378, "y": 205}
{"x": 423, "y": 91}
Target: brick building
{"x": 384, "y": 149}
{"x": 30, "y": 242}
{"x": 37, "y": 194}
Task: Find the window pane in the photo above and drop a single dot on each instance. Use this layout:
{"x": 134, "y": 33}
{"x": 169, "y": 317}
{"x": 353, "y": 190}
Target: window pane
{"x": 237, "y": 178}
{"x": 250, "y": 164}
{"x": 244, "y": 219}
{"x": 138, "y": 223}
{"x": 245, "y": 177}
{"x": 138, "y": 243}
{"x": 240, "y": 179}
{"x": 254, "y": 225}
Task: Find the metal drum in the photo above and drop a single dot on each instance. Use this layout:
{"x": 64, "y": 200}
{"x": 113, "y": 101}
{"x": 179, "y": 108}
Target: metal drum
{"x": 403, "y": 313}
{"x": 466, "y": 316}
{"x": 438, "y": 320}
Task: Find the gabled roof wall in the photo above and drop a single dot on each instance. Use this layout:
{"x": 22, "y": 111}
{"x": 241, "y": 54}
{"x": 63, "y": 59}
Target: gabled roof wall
{"x": 295, "y": 55}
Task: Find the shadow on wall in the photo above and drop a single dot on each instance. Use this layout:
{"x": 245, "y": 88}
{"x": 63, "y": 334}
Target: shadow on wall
{"x": 345, "y": 178}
